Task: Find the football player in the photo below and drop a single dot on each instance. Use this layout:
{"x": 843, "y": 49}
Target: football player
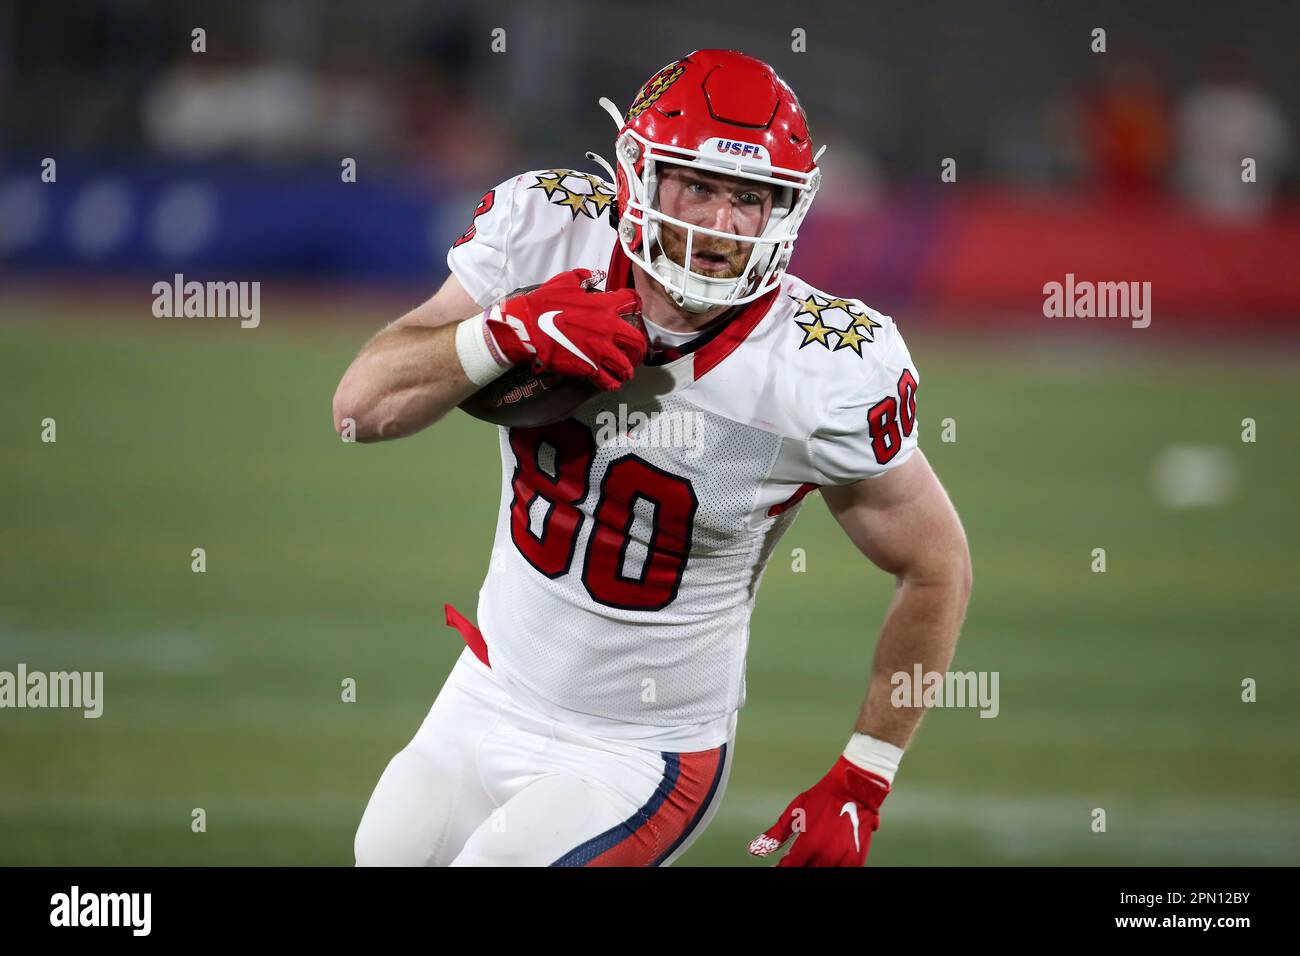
{"x": 590, "y": 719}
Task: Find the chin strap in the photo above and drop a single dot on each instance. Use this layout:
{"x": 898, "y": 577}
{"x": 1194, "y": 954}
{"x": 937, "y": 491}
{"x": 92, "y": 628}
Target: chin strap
{"x": 671, "y": 272}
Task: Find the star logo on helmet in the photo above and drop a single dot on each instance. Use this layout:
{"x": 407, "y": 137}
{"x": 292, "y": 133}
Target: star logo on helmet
{"x": 655, "y": 87}
{"x": 562, "y": 188}
{"x": 850, "y": 324}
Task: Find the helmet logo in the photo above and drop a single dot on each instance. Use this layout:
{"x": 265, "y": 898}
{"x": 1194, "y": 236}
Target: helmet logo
{"x": 733, "y": 148}
{"x": 655, "y": 87}
{"x": 752, "y": 156}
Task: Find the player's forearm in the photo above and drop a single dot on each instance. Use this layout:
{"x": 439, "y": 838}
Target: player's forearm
{"x": 405, "y": 379}
{"x": 921, "y": 627}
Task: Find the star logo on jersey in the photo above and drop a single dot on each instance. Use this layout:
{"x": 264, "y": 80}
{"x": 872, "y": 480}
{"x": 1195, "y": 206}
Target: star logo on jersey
{"x": 835, "y": 324}
{"x": 564, "y": 187}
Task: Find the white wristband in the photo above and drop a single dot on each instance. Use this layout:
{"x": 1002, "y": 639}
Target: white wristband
{"x": 878, "y": 756}
{"x": 478, "y": 352}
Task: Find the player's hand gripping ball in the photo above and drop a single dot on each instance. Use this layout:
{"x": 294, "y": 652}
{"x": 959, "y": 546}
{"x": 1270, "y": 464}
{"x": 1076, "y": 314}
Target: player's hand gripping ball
{"x": 568, "y": 341}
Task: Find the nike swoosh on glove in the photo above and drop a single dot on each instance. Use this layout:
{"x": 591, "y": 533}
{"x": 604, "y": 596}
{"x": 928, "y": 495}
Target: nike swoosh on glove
{"x": 832, "y": 821}
{"x": 567, "y": 327}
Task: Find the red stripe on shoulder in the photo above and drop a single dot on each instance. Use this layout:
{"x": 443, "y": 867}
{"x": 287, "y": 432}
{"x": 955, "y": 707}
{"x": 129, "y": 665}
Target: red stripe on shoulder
{"x": 712, "y": 353}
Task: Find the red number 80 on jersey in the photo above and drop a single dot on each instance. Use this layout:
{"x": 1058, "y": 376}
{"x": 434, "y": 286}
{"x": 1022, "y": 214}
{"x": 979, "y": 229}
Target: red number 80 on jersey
{"x": 627, "y": 479}
{"x": 889, "y": 415}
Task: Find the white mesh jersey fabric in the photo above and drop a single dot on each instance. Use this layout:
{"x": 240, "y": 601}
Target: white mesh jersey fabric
{"x": 681, "y": 663}
{"x": 624, "y": 572}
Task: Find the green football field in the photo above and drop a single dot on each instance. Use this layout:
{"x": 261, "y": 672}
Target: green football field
{"x": 326, "y": 561}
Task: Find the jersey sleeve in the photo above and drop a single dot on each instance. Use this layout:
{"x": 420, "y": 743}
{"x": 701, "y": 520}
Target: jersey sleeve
{"x": 480, "y": 258}
{"x": 872, "y": 426}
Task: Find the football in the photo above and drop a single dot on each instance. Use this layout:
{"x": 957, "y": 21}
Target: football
{"x": 522, "y": 398}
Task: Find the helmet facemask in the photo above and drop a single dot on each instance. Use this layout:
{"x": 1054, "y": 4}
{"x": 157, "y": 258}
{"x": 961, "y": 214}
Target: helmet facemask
{"x": 641, "y": 226}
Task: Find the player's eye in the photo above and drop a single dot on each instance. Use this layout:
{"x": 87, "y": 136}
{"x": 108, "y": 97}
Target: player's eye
{"x": 698, "y": 188}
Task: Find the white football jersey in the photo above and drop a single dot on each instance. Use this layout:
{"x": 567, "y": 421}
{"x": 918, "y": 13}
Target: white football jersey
{"x": 632, "y": 537}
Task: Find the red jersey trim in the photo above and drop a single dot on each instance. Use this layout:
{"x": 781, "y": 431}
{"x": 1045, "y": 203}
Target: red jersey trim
{"x": 713, "y": 352}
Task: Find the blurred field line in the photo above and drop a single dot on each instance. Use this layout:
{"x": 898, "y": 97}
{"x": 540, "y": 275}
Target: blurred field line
{"x": 305, "y": 810}
{"x": 177, "y": 652}
{"x": 1012, "y": 829}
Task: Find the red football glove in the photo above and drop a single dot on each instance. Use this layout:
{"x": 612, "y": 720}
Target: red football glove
{"x": 562, "y": 326}
{"x": 840, "y": 812}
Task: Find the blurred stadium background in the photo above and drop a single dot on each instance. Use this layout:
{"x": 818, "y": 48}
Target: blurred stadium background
{"x": 327, "y": 561}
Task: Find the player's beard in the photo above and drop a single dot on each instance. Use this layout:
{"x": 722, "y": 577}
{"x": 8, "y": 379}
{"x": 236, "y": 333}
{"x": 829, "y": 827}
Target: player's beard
{"x": 736, "y": 253}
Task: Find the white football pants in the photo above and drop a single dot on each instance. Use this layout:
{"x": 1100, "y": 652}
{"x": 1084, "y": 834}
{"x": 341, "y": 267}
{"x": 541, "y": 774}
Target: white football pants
{"x": 487, "y": 782}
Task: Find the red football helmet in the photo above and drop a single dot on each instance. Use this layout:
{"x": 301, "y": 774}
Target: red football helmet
{"x": 719, "y": 111}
